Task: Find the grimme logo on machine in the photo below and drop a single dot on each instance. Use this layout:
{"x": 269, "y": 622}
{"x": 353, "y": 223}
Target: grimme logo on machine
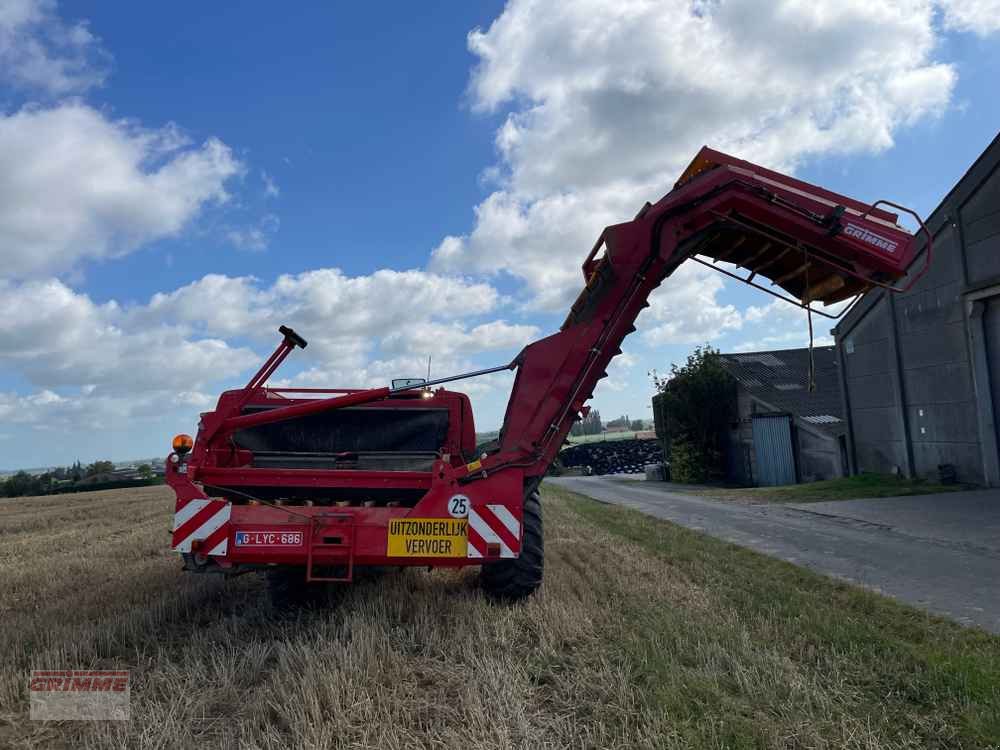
{"x": 860, "y": 233}
{"x": 79, "y": 694}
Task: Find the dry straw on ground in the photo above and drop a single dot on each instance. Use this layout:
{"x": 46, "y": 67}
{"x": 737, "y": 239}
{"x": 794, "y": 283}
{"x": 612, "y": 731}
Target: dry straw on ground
{"x": 644, "y": 635}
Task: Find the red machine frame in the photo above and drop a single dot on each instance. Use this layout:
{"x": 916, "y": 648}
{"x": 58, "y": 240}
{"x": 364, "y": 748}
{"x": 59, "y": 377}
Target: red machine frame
{"x": 815, "y": 245}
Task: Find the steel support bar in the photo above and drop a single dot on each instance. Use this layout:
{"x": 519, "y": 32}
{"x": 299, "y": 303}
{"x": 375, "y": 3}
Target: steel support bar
{"x": 301, "y": 410}
{"x": 453, "y": 378}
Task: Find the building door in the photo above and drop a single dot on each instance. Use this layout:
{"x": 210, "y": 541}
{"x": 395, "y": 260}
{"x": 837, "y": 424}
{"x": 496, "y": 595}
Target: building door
{"x": 772, "y": 444}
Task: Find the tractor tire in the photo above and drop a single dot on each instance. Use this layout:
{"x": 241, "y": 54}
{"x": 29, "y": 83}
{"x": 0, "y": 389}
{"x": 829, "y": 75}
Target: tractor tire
{"x": 289, "y": 589}
{"x": 512, "y": 580}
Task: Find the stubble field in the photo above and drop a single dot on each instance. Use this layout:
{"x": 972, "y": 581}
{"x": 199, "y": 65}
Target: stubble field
{"x": 644, "y": 635}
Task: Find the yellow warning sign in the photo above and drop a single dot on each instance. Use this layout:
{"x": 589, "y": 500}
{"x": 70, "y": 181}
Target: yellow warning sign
{"x": 427, "y": 537}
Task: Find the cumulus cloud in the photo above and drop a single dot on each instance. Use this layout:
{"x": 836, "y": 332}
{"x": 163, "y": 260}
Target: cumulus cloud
{"x": 687, "y": 309}
{"x": 430, "y": 337}
{"x": 618, "y": 373}
{"x": 341, "y": 315}
{"x": 41, "y": 52}
{"x": 76, "y": 185}
{"x": 980, "y": 17}
{"x": 86, "y": 411}
{"x": 608, "y": 102}
{"x": 171, "y": 350}
{"x": 540, "y": 242}
{"x": 362, "y": 330}
{"x": 780, "y": 325}
{"x": 55, "y": 337}
{"x": 633, "y": 88}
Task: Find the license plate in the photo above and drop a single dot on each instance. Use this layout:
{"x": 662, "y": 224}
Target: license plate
{"x": 268, "y": 538}
{"x": 427, "y": 537}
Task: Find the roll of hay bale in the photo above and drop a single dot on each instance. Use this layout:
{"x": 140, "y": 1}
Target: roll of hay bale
{"x": 613, "y": 456}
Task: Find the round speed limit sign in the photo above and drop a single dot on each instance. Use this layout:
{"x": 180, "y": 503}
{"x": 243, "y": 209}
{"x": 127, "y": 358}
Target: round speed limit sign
{"x": 458, "y": 506}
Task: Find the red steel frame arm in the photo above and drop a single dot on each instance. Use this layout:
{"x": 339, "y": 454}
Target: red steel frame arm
{"x": 558, "y": 374}
{"x": 242, "y": 422}
{"x": 227, "y": 424}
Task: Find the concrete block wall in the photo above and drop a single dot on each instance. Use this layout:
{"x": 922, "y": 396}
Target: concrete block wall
{"x": 917, "y": 376}
{"x": 819, "y": 456}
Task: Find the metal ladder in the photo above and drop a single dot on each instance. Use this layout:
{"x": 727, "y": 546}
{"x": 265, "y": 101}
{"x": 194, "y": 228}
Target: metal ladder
{"x": 337, "y": 526}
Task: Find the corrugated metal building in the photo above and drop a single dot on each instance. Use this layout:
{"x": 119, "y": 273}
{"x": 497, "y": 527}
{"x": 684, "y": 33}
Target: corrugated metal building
{"x": 920, "y": 371}
{"x": 785, "y": 432}
{"x": 782, "y": 432}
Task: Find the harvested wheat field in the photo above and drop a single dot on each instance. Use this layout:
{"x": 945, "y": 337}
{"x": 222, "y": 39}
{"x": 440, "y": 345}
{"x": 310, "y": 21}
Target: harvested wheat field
{"x": 644, "y": 635}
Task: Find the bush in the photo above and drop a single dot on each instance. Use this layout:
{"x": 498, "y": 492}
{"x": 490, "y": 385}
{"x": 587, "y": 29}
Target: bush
{"x": 697, "y": 405}
{"x": 687, "y": 463}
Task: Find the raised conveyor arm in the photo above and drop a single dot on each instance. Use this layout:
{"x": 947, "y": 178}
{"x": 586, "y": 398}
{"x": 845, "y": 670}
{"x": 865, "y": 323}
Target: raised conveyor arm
{"x": 815, "y": 245}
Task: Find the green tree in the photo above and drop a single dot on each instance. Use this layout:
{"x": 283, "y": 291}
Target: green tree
{"x": 22, "y": 483}
{"x": 100, "y": 467}
{"x": 699, "y": 400}
{"x": 622, "y": 421}
{"x": 145, "y": 471}
{"x": 589, "y": 425}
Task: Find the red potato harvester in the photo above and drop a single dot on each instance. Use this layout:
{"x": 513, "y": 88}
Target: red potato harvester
{"x": 309, "y": 484}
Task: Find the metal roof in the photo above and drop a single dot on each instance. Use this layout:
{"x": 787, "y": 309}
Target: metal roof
{"x": 780, "y": 381}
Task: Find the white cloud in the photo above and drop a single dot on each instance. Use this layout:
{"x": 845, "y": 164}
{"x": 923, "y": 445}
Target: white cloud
{"x": 981, "y": 17}
{"x": 431, "y": 338}
{"x": 254, "y": 238}
{"x": 542, "y": 242}
{"x": 55, "y": 337}
{"x": 791, "y": 339}
{"x": 113, "y": 418}
{"x": 618, "y": 373}
{"x": 781, "y": 325}
{"x": 362, "y": 330}
{"x": 610, "y": 100}
{"x": 687, "y": 310}
{"x": 341, "y": 316}
{"x": 76, "y": 185}
{"x": 41, "y": 52}
{"x": 270, "y": 186}
{"x": 105, "y": 362}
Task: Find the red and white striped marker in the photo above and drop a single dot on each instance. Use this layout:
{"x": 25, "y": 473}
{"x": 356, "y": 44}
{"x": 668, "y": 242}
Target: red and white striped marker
{"x": 493, "y": 525}
{"x": 204, "y": 520}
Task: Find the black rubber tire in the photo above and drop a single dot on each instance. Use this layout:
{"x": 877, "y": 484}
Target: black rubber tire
{"x": 289, "y": 589}
{"x": 511, "y": 580}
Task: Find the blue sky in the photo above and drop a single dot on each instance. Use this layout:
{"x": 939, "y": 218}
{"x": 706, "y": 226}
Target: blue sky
{"x": 404, "y": 180}
{"x": 354, "y": 112}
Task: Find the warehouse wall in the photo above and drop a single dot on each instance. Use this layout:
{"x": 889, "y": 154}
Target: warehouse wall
{"x": 818, "y": 456}
{"x": 917, "y": 379}
{"x": 741, "y": 461}
{"x": 874, "y": 398}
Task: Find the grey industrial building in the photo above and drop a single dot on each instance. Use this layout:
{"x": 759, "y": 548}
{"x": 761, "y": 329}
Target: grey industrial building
{"x": 785, "y": 431}
{"x": 920, "y": 370}
{"x": 787, "y": 425}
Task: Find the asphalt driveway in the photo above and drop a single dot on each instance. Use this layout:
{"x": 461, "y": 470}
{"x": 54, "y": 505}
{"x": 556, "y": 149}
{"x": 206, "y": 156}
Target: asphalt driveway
{"x": 938, "y": 552}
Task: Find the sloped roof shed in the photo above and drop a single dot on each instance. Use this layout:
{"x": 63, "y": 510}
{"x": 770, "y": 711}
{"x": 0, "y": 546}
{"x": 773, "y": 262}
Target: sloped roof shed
{"x": 779, "y": 381}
